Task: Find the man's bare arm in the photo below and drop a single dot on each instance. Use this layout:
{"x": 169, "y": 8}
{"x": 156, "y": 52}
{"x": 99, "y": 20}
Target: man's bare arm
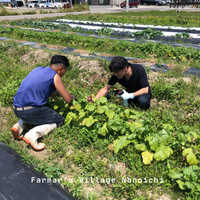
{"x": 61, "y": 89}
{"x": 103, "y": 91}
{"x": 141, "y": 91}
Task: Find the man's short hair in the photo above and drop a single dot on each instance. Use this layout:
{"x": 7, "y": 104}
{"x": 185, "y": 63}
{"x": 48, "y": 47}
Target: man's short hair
{"x": 59, "y": 59}
{"x": 118, "y": 63}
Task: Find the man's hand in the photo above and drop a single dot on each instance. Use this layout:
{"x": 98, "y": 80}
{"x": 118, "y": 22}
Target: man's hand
{"x": 126, "y": 95}
{"x": 74, "y": 97}
{"x": 89, "y": 99}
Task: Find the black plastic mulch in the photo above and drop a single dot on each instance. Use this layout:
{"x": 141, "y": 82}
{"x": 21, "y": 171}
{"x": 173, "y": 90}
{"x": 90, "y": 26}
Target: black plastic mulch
{"x": 20, "y": 181}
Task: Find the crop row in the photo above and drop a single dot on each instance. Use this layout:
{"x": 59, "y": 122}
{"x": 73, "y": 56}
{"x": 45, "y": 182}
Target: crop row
{"x": 148, "y": 32}
{"x": 104, "y": 33}
{"x": 164, "y": 18}
{"x": 125, "y": 25}
{"x": 109, "y": 46}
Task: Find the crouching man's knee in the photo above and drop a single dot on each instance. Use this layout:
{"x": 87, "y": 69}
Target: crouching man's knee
{"x": 144, "y": 102}
{"x": 60, "y": 123}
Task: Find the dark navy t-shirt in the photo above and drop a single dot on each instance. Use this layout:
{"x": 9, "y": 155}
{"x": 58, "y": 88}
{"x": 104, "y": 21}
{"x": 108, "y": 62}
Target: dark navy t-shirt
{"x": 137, "y": 81}
{"x": 35, "y": 88}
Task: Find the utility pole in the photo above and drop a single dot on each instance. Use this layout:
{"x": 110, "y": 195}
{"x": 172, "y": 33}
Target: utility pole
{"x": 127, "y": 5}
{"x": 112, "y": 3}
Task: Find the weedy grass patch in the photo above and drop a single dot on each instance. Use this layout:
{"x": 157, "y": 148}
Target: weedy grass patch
{"x": 105, "y": 150}
{"x": 29, "y": 13}
{"x": 4, "y": 12}
{"x": 76, "y": 8}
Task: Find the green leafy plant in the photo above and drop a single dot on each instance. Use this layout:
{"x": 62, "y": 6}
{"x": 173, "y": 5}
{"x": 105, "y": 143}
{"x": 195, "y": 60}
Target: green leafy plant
{"x": 182, "y": 35}
{"x": 105, "y": 31}
{"x": 104, "y": 119}
{"x": 45, "y": 25}
{"x": 124, "y": 128}
{"x": 187, "y": 178}
{"x": 149, "y": 33}
{"x": 77, "y": 29}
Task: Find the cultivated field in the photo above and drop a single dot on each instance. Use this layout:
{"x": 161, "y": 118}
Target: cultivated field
{"x": 106, "y": 151}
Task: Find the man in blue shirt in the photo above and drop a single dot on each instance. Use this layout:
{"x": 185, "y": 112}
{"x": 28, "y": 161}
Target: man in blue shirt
{"x": 31, "y": 97}
{"x": 133, "y": 77}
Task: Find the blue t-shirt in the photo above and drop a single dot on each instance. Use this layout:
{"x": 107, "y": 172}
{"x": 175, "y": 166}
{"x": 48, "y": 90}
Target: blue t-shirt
{"x": 35, "y": 88}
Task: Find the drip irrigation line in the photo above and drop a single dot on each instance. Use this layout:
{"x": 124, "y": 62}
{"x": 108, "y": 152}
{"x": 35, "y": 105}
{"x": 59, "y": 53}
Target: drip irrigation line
{"x": 86, "y": 54}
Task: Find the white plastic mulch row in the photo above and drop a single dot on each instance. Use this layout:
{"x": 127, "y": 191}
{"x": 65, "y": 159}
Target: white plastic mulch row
{"x": 89, "y": 27}
{"x": 130, "y": 25}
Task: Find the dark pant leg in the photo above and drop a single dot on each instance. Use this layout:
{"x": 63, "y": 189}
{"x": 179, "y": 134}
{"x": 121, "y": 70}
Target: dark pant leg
{"x": 142, "y": 101}
{"x": 40, "y": 115}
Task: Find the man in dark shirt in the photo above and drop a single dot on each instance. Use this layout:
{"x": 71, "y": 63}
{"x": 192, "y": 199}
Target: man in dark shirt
{"x": 133, "y": 77}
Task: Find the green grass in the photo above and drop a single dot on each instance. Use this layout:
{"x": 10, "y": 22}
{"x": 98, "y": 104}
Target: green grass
{"x": 29, "y": 13}
{"x": 43, "y": 11}
{"x": 80, "y": 7}
{"x": 4, "y": 12}
{"x": 77, "y": 151}
{"x": 76, "y": 8}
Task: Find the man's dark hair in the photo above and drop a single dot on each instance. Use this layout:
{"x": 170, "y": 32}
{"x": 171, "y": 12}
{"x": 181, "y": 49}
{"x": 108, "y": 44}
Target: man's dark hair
{"x": 59, "y": 59}
{"x": 118, "y": 63}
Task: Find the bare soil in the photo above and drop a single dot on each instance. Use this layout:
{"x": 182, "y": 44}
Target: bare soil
{"x": 4, "y": 113}
{"x": 35, "y": 56}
